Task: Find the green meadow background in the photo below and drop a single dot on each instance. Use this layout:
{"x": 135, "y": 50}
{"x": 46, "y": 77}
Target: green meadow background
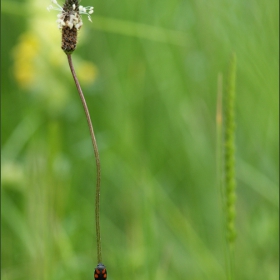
{"x": 149, "y": 71}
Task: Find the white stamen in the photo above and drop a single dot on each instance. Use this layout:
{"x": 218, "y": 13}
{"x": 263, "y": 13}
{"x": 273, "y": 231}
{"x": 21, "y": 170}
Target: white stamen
{"x": 58, "y": 8}
{"x": 69, "y": 24}
{"x": 78, "y": 25}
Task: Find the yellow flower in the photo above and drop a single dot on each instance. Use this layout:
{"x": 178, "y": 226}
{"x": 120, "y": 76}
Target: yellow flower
{"x": 24, "y": 54}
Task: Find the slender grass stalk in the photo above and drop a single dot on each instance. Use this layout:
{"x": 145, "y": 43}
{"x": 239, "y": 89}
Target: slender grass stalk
{"x": 229, "y": 162}
{"x": 97, "y": 159}
{"x": 220, "y": 165}
{"x": 219, "y": 137}
{"x": 225, "y": 123}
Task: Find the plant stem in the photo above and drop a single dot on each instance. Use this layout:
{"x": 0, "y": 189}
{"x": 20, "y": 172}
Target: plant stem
{"x": 97, "y": 160}
{"x": 230, "y": 181}
{"x": 220, "y": 166}
{"x": 219, "y": 139}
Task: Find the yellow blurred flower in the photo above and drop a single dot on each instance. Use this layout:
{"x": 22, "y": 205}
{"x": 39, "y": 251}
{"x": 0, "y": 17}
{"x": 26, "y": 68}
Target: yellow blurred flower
{"x": 24, "y": 54}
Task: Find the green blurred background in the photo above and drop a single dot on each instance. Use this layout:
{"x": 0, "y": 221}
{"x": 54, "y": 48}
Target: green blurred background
{"x": 149, "y": 71}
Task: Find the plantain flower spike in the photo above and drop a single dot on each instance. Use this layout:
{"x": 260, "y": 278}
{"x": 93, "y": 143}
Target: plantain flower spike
{"x": 70, "y": 21}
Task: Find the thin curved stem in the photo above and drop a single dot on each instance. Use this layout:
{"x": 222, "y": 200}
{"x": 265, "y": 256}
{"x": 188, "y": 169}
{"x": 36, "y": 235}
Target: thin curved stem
{"x": 97, "y": 160}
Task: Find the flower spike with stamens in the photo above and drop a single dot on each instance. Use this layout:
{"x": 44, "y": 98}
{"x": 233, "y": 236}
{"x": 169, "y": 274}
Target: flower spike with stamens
{"x": 70, "y": 21}
{"x": 70, "y": 14}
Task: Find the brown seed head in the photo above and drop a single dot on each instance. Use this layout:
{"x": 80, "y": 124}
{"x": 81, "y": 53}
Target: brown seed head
{"x": 69, "y": 39}
{"x": 69, "y": 33}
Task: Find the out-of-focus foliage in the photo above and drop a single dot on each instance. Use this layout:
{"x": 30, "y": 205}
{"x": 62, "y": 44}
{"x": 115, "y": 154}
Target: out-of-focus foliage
{"x": 149, "y": 72}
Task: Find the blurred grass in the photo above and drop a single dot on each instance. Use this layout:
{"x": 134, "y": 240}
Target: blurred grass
{"x": 152, "y": 102}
